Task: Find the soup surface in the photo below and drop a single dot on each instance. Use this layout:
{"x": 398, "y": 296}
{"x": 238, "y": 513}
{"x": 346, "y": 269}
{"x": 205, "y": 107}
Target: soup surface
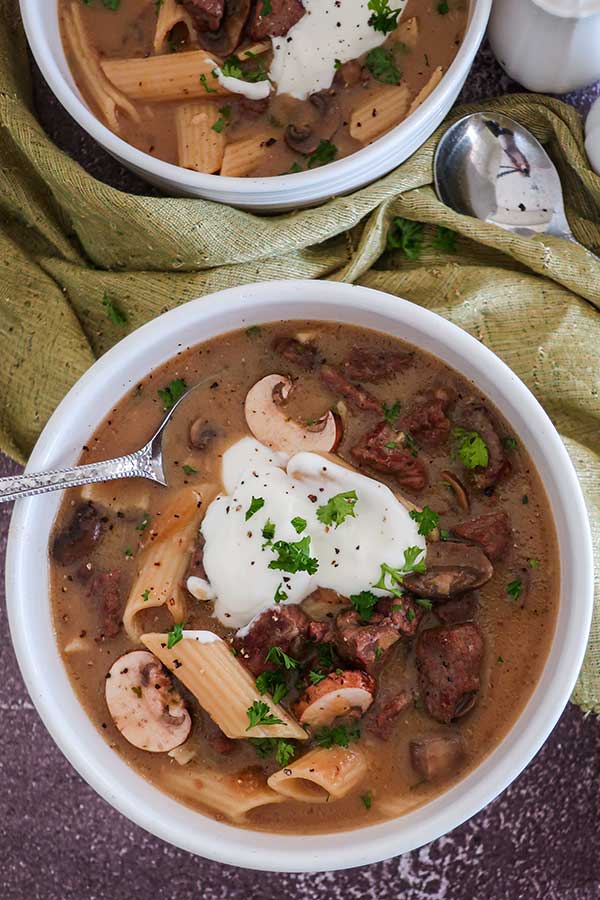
{"x": 258, "y": 87}
{"x": 325, "y": 632}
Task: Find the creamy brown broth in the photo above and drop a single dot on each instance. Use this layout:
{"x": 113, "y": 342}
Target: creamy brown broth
{"x": 517, "y": 633}
{"x": 128, "y": 33}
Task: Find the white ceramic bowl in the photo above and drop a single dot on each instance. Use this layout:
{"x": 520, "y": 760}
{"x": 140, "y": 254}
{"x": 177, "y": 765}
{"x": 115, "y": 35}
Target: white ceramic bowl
{"x": 27, "y": 575}
{"x": 277, "y": 193}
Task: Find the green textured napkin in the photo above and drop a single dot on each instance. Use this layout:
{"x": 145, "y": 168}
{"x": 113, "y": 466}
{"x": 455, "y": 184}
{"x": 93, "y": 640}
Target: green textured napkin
{"x": 66, "y": 239}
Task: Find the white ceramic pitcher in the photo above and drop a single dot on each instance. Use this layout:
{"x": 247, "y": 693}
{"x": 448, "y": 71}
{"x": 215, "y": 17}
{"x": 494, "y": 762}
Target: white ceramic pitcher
{"x": 551, "y": 46}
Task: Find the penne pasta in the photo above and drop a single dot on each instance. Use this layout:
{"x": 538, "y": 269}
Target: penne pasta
{"x": 170, "y": 14}
{"x": 434, "y": 80}
{"x": 164, "y": 561}
{"x": 173, "y": 76}
{"x": 221, "y": 684}
{"x": 408, "y": 32}
{"x": 199, "y": 146}
{"x": 243, "y": 156}
{"x": 321, "y": 775}
{"x": 233, "y": 795}
{"x": 134, "y": 496}
{"x": 106, "y": 96}
{"x": 379, "y": 113}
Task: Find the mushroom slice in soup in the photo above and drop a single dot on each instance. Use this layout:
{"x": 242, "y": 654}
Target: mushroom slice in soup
{"x": 145, "y": 706}
{"x": 268, "y": 422}
{"x": 337, "y": 695}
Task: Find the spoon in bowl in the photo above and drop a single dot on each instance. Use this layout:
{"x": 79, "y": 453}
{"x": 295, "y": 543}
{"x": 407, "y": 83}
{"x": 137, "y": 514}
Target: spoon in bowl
{"x": 490, "y": 167}
{"x": 147, "y": 462}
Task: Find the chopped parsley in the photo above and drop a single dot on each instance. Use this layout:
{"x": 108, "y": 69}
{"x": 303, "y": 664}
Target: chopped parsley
{"x": 189, "y": 470}
{"x": 406, "y": 236}
{"x": 299, "y": 524}
{"x": 443, "y": 7}
{"x": 231, "y": 68}
{"x": 500, "y": 659}
{"x": 364, "y": 604}
{"x": 534, "y": 563}
{"x": 266, "y": 8}
{"x": 427, "y": 519}
{"x": 325, "y": 655}
{"x": 325, "y": 153}
{"x": 294, "y": 168}
{"x": 471, "y": 448}
{"x": 445, "y": 239}
{"x": 391, "y": 413}
{"x": 396, "y": 575}
{"x": 254, "y": 331}
{"x": 111, "y": 4}
{"x": 268, "y": 533}
{"x": 316, "y": 677}
{"x": 410, "y": 442}
{"x": 367, "y": 800}
{"x": 378, "y": 653}
{"x": 284, "y": 751}
{"x": 338, "y": 508}
{"x": 444, "y": 534}
{"x": 127, "y": 552}
{"x": 143, "y": 523}
{"x": 281, "y": 659}
{"x": 524, "y": 499}
{"x": 509, "y": 442}
{"x": 256, "y": 504}
{"x": 280, "y": 595}
{"x": 423, "y": 603}
{"x": 137, "y": 690}
{"x": 339, "y": 736}
{"x": 382, "y": 66}
{"x": 272, "y": 683}
{"x": 171, "y": 394}
{"x": 294, "y": 557}
{"x": 206, "y": 85}
{"x": 514, "y": 588}
{"x": 175, "y": 635}
{"x": 114, "y": 312}
{"x": 383, "y": 18}
{"x": 145, "y": 595}
{"x": 260, "y": 714}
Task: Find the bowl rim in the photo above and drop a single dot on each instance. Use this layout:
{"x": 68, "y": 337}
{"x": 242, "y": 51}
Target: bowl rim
{"x": 244, "y": 306}
{"x": 314, "y": 181}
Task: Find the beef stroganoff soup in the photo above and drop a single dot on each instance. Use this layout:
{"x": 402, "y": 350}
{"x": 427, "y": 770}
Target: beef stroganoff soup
{"x": 342, "y": 601}
{"x": 258, "y": 87}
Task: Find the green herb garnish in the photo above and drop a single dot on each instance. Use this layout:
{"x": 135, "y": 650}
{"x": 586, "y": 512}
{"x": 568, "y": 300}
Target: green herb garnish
{"x": 471, "y": 448}
{"x": 171, "y": 394}
{"x": 281, "y": 659}
{"x": 294, "y": 557}
{"x": 391, "y": 413}
{"x": 338, "y": 509}
{"x": 427, "y": 519}
{"x": 316, "y": 677}
{"x": 382, "y": 66}
{"x": 260, "y": 714}
{"x": 406, "y": 236}
{"x": 383, "y": 18}
{"x": 364, "y": 604}
{"x": 396, "y": 575}
{"x": 299, "y": 524}
{"x": 339, "y": 736}
{"x": 256, "y": 504}
{"x": 514, "y": 588}
{"x": 367, "y": 800}
{"x": 280, "y": 595}
{"x": 272, "y": 683}
{"x": 175, "y": 635}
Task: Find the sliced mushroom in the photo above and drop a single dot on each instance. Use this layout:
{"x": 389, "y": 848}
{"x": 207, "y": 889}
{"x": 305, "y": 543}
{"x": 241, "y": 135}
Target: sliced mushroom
{"x": 145, "y": 706}
{"x": 451, "y": 568}
{"x": 83, "y": 533}
{"x": 270, "y": 425}
{"x": 458, "y": 489}
{"x": 433, "y": 757}
{"x": 324, "y": 603}
{"x": 201, "y": 435}
{"x": 306, "y": 138}
{"x": 335, "y": 696}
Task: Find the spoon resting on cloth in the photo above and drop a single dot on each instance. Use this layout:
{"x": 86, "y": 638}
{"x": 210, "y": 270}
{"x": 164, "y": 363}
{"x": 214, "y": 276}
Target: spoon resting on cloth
{"x": 490, "y": 167}
{"x": 147, "y": 462}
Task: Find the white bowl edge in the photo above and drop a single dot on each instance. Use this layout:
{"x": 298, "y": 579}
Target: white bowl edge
{"x": 27, "y": 577}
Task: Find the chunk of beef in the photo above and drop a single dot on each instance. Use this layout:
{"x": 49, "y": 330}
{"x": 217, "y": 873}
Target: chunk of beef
{"x": 324, "y": 603}
{"x": 381, "y": 722}
{"x": 356, "y": 396}
{"x": 451, "y": 568}
{"x": 436, "y": 756}
{"x": 282, "y": 627}
{"x": 281, "y": 16}
{"x": 300, "y": 354}
{"x": 81, "y": 536}
{"x": 321, "y": 632}
{"x": 381, "y": 450}
{"x": 104, "y": 591}
{"x": 206, "y": 14}
{"x": 460, "y": 609}
{"x": 363, "y": 644}
{"x": 491, "y": 532}
{"x": 226, "y": 38}
{"x": 474, "y": 416}
{"x": 449, "y": 661}
{"x": 196, "y": 565}
{"x": 215, "y": 738}
{"x": 426, "y": 420}
{"x": 404, "y": 614}
{"x": 376, "y": 366}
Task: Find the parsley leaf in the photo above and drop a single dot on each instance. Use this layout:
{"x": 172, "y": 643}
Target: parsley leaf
{"x": 443, "y": 7}
{"x": 514, "y": 588}
{"x": 171, "y": 394}
{"x": 175, "y": 635}
{"x": 259, "y": 714}
{"x": 143, "y": 523}
{"x": 383, "y": 19}
{"x": 339, "y": 736}
{"x": 396, "y": 575}
{"x": 268, "y": 533}
{"x": 272, "y": 683}
{"x": 472, "y": 449}
{"x": 427, "y": 520}
{"x": 367, "y": 800}
{"x": 189, "y": 470}
{"x": 325, "y": 153}
{"x": 145, "y": 595}
{"x": 279, "y": 658}
{"x": 113, "y": 311}
{"x": 325, "y": 655}
{"x": 391, "y": 413}
{"x": 337, "y": 509}
{"x": 256, "y": 504}
{"x": 364, "y": 604}
{"x": 299, "y": 524}
{"x": 445, "y": 239}
{"x": 406, "y": 236}
{"x": 294, "y": 557}
{"x": 280, "y": 595}
{"x": 382, "y": 66}
{"x": 509, "y": 442}
{"x": 316, "y": 677}
{"x": 266, "y": 8}
{"x": 284, "y": 751}
{"x": 205, "y": 85}
{"x": 534, "y": 563}
{"x": 423, "y": 603}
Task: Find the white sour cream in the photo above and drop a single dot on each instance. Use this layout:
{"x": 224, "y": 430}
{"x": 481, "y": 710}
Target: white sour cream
{"x": 349, "y": 556}
{"x": 304, "y": 61}
{"x": 253, "y": 90}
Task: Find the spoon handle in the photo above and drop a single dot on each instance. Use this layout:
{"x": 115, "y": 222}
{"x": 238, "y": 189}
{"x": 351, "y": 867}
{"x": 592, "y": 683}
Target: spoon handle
{"x": 32, "y": 483}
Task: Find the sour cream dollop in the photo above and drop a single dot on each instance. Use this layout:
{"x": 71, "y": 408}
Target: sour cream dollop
{"x": 331, "y": 31}
{"x": 349, "y": 557}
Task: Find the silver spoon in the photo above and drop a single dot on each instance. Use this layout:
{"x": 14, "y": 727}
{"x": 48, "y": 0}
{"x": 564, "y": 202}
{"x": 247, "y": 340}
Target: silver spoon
{"x": 144, "y": 463}
{"x": 490, "y": 167}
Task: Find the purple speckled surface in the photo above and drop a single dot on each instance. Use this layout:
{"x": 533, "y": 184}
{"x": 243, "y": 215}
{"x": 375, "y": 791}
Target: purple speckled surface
{"x": 539, "y": 841}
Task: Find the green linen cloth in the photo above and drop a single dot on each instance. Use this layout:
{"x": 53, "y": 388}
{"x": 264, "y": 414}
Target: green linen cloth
{"x": 66, "y": 239}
